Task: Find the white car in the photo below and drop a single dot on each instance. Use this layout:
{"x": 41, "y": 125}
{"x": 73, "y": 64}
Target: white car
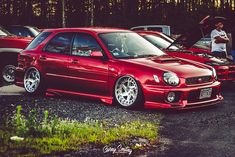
{"x": 159, "y": 28}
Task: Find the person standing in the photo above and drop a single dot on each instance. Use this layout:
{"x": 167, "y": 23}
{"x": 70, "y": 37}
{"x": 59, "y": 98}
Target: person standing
{"x": 219, "y": 40}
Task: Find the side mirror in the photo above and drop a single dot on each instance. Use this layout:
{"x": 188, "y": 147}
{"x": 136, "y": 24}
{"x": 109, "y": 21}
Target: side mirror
{"x": 96, "y": 54}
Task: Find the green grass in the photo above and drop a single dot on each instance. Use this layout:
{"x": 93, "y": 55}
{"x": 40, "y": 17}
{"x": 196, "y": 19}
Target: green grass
{"x": 53, "y": 134}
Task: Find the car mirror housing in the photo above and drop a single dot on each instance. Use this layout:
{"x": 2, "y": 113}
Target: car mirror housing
{"x": 96, "y": 54}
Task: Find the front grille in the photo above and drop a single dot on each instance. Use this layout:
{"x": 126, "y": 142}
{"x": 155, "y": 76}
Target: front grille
{"x": 193, "y": 96}
{"x": 198, "y": 80}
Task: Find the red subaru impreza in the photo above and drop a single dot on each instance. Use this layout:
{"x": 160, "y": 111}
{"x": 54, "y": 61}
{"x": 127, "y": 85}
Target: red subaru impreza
{"x": 116, "y": 66}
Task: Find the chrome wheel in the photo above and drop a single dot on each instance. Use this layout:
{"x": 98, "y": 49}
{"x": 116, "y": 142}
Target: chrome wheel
{"x": 31, "y": 80}
{"x": 126, "y": 91}
{"x": 8, "y": 73}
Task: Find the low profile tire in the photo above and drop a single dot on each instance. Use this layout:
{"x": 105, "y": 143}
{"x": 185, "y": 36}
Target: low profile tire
{"x": 8, "y": 73}
{"x": 33, "y": 83}
{"x": 127, "y": 93}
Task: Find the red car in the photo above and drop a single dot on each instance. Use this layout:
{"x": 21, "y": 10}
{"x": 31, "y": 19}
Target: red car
{"x": 225, "y": 68}
{"x": 10, "y": 46}
{"x": 116, "y": 66}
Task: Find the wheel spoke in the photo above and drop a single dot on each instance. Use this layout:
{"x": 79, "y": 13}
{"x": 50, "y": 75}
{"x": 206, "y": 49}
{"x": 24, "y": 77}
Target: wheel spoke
{"x": 32, "y": 80}
{"x": 126, "y": 91}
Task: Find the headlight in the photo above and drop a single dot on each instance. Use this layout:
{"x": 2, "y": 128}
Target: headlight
{"x": 171, "y": 78}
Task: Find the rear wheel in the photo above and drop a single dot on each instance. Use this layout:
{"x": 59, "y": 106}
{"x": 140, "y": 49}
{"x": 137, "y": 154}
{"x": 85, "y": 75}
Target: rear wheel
{"x": 33, "y": 82}
{"x": 127, "y": 92}
{"x": 8, "y": 73}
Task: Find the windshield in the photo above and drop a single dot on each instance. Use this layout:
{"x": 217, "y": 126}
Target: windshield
{"x": 129, "y": 45}
{"x": 159, "y": 42}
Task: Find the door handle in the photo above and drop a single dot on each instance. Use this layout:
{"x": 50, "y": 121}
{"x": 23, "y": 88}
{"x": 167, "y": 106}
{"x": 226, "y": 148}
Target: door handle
{"x": 75, "y": 61}
{"x": 42, "y": 58}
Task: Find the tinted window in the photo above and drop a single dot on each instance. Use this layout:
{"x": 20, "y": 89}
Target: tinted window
{"x": 61, "y": 43}
{"x": 40, "y": 38}
{"x": 20, "y": 31}
{"x": 155, "y": 29}
{"x": 84, "y": 44}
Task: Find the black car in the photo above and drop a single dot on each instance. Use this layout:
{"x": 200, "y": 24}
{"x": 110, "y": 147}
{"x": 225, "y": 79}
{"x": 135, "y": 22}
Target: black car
{"x": 25, "y": 31}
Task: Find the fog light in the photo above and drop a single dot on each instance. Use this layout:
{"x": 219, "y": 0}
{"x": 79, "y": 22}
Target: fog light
{"x": 171, "y": 96}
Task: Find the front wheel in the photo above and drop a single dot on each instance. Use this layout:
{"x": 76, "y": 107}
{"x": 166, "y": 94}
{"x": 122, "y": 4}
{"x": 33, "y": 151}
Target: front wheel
{"x": 128, "y": 93}
{"x": 33, "y": 81}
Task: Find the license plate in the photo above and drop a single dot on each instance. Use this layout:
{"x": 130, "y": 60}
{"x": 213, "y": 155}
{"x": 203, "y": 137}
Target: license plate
{"x": 205, "y": 93}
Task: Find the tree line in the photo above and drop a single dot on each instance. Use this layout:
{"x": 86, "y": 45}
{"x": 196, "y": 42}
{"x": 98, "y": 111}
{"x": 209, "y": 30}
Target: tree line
{"x": 180, "y": 14}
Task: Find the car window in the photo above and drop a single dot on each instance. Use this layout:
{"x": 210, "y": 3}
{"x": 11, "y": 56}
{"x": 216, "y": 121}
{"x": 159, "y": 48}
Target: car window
{"x": 20, "y": 31}
{"x": 155, "y": 29}
{"x": 61, "y": 43}
{"x": 84, "y": 44}
{"x": 38, "y": 40}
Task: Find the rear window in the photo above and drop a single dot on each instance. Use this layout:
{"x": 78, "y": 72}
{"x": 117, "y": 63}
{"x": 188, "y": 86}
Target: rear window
{"x": 38, "y": 40}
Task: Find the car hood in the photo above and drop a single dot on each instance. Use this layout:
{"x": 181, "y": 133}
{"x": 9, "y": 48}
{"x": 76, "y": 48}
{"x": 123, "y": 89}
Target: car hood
{"x": 183, "y": 68}
{"x": 204, "y": 57}
{"x": 189, "y": 38}
{"x": 26, "y": 39}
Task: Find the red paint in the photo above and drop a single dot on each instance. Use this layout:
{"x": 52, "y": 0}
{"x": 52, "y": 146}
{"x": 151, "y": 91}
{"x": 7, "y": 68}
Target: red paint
{"x": 14, "y": 42}
{"x": 96, "y": 77}
{"x": 224, "y": 72}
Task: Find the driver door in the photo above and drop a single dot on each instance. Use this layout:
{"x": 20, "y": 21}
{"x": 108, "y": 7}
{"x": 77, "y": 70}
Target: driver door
{"x": 88, "y": 74}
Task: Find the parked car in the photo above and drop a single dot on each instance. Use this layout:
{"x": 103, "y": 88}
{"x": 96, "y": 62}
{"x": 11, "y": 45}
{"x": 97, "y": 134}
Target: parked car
{"x": 10, "y": 46}
{"x": 24, "y": 31}
{"x": 205, "y": 41}
{"x": 225, "y": 68}
{"x": 159, "y": 28}
{"x": 116, "y": 66}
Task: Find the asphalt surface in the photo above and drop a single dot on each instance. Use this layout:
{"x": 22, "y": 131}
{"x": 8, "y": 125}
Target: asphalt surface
{"x": 205, "y": 132}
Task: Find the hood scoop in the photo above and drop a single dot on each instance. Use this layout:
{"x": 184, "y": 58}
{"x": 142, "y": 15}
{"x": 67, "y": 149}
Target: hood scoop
{"x": 166, "y": 60}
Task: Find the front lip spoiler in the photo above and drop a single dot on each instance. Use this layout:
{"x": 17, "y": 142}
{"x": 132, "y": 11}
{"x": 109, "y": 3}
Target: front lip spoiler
{"x": 200, "y": 104}
{"x": 184, "y": 105}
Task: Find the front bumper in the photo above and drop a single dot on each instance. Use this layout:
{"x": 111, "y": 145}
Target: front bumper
{"x": 225, "y": 73}
{"x": 188, "y": 97}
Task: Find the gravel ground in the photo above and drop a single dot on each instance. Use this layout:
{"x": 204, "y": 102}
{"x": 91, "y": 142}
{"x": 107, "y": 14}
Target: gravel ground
{"x": 198, "y": 133}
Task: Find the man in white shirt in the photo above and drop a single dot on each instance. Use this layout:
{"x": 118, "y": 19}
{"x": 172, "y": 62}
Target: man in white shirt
{"x": 219, "y": 40}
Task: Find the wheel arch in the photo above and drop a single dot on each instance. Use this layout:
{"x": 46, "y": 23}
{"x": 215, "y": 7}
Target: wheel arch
{"x": 9, "y": 55}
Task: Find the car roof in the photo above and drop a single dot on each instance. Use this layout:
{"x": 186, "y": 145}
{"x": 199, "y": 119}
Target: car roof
{"x": 89, "y": 29}
{"x": 149, "y": 26}
{"x": 22, "y": 26}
